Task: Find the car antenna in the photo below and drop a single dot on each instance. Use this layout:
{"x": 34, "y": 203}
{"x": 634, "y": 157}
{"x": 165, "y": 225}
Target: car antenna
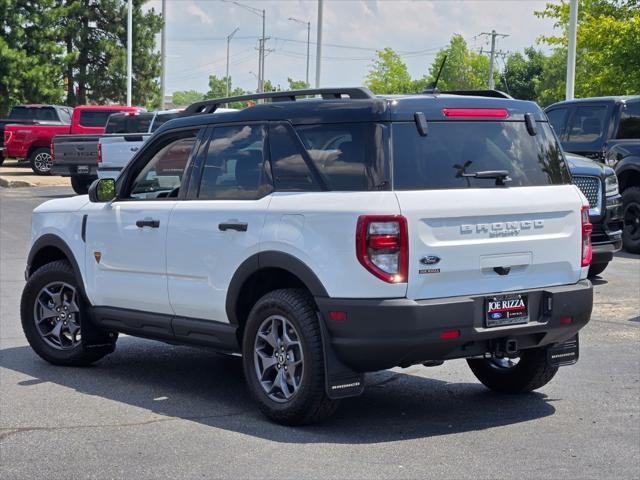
{"x": 433, "y": 86}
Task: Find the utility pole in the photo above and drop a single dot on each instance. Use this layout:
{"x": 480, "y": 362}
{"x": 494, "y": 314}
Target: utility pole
{"x": 229, "y": 37}
{"x": 308, "y": 25}
{"x": 129, "y": 50}
{"x": 319, "y": 44}
{"x": 163, "y": 55}
{"x": 571, "y": 54}
{"x": 261, "y": 13}
{"x": 492, "y": 55}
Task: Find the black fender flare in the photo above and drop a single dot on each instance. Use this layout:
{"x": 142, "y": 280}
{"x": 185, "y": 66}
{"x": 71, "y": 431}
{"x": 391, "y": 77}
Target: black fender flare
{"x": 270, "y": 259}
{"x": 51, "y": 240}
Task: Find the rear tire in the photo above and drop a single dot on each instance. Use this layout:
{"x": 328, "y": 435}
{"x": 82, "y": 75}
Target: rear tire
{"x": 52, "y": 300}
{"x": 81, "y": 185}
{"x": 596, "y": 269}
{"x": 530, "y": 373}
{"x": 631, "y": 215}
{"x": 302, "y": 398}
{"x": 41, "y": 161}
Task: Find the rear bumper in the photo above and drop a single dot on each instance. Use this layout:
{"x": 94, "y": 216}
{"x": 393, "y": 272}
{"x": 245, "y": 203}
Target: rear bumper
{"x": 603, "y": 252}
{"x": 383, "y": 333}
{"x": 73, "y": 170}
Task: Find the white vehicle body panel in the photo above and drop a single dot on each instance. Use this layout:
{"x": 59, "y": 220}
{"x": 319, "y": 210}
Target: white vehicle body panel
{"x": 117, "y": 152}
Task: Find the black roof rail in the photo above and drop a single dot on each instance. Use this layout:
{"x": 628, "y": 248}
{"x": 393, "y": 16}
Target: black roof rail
{"x": 479, "y": 93}
{"x": 210, "y": 106}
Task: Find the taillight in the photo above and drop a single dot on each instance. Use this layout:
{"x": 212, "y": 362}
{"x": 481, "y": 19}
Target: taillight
{"x": 587, "y": 228}
{"x": 7, "y": 137}
{"x": 53, "y": 152}
{"x": 382, "y": 246}
{"x": 476, "y": 112}
{"x": 99, "y": 153}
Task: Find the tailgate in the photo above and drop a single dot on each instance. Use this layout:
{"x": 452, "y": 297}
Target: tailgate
{"x": 477, "y": 241}
{"x": 73, "y": 150}
{"x": 117, "y": 151}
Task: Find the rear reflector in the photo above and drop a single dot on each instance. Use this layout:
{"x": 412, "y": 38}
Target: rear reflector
{"x": 338, "y": 316}
{"x": 450, "y": 334}
{"x": 566, "y": 320}
{"x": 476, "y": 112}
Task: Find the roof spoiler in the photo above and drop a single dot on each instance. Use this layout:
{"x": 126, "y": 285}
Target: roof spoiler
{"x": 479, "y": 93}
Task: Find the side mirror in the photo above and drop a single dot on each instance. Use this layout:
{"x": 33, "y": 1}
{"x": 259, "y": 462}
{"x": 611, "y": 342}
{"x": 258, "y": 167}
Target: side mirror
{"x": 102, "y": 190}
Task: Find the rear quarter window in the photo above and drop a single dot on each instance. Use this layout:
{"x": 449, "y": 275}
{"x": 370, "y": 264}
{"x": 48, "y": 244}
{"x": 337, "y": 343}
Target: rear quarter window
{"x": 587, "y": 124}
{"x": 438, "y": 160}
{"x": 94, "y": 118}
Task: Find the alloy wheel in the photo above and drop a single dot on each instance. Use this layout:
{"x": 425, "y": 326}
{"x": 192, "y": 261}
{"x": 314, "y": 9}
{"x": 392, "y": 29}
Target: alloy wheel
{"x": 632, "y": 220}
{"x": 57, "y": 316}
{"x": 43, "y": 162}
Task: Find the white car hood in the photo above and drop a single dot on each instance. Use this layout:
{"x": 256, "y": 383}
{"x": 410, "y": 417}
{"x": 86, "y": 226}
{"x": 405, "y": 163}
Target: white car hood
{"x": 69, "y": 204}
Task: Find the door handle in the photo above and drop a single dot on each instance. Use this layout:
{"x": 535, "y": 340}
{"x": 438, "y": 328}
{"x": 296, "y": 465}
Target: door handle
{"x": 237, "y": 226}
{"x": 148, "y": 222}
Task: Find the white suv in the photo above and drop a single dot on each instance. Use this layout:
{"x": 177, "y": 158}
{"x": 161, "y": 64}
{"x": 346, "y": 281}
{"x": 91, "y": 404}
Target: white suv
{"x": 326, "y": 237}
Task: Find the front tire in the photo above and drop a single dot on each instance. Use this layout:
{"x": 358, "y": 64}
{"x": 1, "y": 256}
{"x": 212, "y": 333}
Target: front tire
{"x": 283, "y": 359}
{"x": 81, "y": 185}
{"x": 54, "y": 315}
{"x": 631, "y": 229}
{"x": 531, "y": 372}
{"x": 41, "y": 161}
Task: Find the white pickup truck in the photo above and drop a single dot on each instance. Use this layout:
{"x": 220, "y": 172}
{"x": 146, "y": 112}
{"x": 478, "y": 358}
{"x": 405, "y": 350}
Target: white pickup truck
{"x": 115, "y": 151}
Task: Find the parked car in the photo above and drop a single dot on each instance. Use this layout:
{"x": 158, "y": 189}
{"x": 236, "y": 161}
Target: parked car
{"x": 323, "y": 238}
{"x": 125, "y": 135}
{"x": 607, "y": 129}
{"x": 599, "y": 184}
{"x": 33, "y": 115}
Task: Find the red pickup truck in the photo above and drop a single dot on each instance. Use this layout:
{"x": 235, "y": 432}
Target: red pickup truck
{"x": 33, "y": 142}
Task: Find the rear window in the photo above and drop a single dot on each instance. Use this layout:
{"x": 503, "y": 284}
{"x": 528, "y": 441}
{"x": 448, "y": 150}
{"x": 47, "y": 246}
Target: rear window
{"x": 348, "y": 156}
{"x": 451, "y": 149}
{"x": 630, "y": 121}
{"x": 95, "y": 118}
{"x": 119, "y": 123}
{"x": 162, "y": 119}
{"x": 43, "y": 114}
{"x": 587, "y": 124}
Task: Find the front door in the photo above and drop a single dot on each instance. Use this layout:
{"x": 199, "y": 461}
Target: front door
{"x": 126, "y": 239}
{"x": 219, "y": 225}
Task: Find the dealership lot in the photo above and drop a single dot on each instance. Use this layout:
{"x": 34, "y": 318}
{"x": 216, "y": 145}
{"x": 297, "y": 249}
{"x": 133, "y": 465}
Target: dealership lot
{"x": 156, "y": 410}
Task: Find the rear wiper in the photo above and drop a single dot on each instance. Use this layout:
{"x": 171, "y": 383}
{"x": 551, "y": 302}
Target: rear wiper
{"x": 500, "y": 176}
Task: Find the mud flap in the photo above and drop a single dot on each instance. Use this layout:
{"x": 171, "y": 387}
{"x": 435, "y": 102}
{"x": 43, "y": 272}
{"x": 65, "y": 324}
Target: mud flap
{"x": 95, "y": 338}
{"x": 340, "y": 380}
{"x": 565, "y": 353}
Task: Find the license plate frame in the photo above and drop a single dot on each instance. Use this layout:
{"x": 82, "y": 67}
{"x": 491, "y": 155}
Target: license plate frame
{"x": 509, "y": 309}
{"x": 82, "y": 169}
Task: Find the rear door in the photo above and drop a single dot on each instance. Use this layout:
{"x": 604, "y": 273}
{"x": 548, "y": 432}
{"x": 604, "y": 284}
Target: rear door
{"x": 220, "y": 223}
{"x": 471, "y": 236}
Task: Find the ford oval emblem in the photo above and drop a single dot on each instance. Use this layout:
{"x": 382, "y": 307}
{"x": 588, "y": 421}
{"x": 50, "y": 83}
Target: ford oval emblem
{"x": 430, "y": 260}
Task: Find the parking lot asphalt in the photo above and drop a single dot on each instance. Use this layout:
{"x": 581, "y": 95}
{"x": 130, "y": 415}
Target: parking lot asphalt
{"x": 152, "y": 410}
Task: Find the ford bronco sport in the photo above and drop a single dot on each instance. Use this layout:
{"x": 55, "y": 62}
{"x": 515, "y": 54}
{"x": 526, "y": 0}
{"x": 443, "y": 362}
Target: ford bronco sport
{"x": 323, "y": 234}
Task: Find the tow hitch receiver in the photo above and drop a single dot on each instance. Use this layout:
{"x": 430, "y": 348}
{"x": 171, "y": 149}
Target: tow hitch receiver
{"x": 565, "y": 353}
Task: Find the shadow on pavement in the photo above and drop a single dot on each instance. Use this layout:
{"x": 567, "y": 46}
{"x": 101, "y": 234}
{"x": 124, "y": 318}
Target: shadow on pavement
{"x": 207, "y": 388}
{"x": 624, "y": 254}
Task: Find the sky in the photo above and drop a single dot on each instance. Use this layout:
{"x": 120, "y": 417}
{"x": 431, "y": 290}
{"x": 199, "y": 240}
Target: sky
{"x": 352, "y": 31}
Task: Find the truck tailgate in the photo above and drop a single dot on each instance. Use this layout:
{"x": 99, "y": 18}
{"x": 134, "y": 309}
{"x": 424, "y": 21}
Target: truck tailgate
{"x": 75, "y": 154}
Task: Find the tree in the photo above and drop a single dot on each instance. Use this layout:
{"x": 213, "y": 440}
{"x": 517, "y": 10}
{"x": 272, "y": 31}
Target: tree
{"x": 388, "y": 74}
{"x": 523, "y": 73}
{"x": 297, "y": 84}
{"x": 31, "y": 55}
{"x": 218, "y": 89}
{"x": 463, "y": 70}
{"x": 184, "y": 98}
{"x": 607, "y": 53}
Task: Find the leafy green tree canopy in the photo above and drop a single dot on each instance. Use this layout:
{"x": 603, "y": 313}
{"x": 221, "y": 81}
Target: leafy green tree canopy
{"x": 388, "y": 74}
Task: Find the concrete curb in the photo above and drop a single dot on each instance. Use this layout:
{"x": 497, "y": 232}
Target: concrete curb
{"x": 9, "y": 183}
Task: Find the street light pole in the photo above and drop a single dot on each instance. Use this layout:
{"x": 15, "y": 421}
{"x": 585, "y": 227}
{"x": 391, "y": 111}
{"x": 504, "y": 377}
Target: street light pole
{"x": 319, "y": 44}
{"x": 229, "y": 37}
{"x": 308, "y": 24}
{"x": 129, "y": 50}
{"x": 261, "y": 13}
{"x": 163, "y": 55}
{"x": 571, "y": 54}
{"x": 262, "y": 53}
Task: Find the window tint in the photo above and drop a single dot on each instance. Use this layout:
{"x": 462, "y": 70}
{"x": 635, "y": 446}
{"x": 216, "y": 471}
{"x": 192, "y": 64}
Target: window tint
{"x": 119, "y": 123}
{"x": 162, "y": 118}
{"x": 162, "y": 176}
{"x": 452, "y": 148}
{"x": 290, "y": 171}
{"x": 587, "y": 124}
{"x": 234, "y": 165}
{"x": 557, "y": 119}
{"x": 348, "y": 156}
{"x": 630, "y": 121}
{"x": 44, "y": 114}
{"x": 94, "y": 118}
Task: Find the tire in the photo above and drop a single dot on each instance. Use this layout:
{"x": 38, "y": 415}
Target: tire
{"x": 309, "y": 402}
{"x": 81, "y": 185}
{"x": 71, "y": 351}
{"x": 530, "y": 373}
{"x": 1, "y": 158}
{"x": 631, "y": 215}
{"x": 596, "y": 269}
{"x": 41, "y": 161}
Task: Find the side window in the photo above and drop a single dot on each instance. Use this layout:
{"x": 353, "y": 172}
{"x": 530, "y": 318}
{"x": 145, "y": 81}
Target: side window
{"x": 94, "y": 118}
{"x": 65, "y": 115}
{"x": 162, "y": 175}
{"x": 557, "y": 119}
{"x": 630, "y": 121}
{"x": 290, "y": 171}
{"x": 234, "y": 164}
{"x": 587, "y": 124}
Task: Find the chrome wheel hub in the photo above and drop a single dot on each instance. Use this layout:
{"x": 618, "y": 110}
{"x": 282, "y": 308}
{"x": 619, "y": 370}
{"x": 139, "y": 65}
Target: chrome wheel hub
{"x": 278, "y": 358}
{"x": 43, "y": 162}
{"x": 57, "y": 316}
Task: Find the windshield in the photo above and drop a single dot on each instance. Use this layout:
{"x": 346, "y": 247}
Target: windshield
{"x": 453, "y": 150}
